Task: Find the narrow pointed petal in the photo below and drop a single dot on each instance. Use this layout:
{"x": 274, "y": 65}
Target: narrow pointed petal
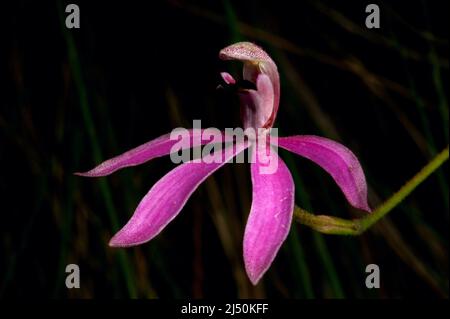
{"x": 168, "y": 196}
{"x": 270, "y": 217}
{"x": 337, "y": 160}
{"x": 155, "y": 148}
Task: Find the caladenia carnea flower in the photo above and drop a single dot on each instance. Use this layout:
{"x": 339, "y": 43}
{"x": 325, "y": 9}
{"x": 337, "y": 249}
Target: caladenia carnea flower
{"x": 272, "y": 206}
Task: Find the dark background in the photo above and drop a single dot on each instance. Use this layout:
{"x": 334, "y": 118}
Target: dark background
{"x": 136, "y": 69}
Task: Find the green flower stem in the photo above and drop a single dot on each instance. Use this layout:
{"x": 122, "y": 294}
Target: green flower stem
{"x": 327, "y": 224}
{"x": 338, "y": 226}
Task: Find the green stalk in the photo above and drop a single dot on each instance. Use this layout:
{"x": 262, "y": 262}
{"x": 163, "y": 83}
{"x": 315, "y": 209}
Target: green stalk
{"x": 338, "y": 226}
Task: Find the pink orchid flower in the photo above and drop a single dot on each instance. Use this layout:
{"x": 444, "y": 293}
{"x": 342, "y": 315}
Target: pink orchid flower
{"x": 272, "y": 206}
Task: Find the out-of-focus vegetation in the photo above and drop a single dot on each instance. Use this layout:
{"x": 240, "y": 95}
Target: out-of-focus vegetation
{"x": 134, "y": 71}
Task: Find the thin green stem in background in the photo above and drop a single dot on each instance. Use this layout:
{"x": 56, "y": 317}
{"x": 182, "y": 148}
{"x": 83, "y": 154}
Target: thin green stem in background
{"x": 338, "y": 226}
{"x": 87, "y": 118}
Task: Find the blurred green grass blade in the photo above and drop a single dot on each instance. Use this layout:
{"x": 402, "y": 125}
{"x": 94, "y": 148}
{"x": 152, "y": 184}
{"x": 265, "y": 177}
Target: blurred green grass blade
{"x": 328, "y": 265}
{"x": 421, "y": 108}
{"x": 67, "y": 218}
{"x": 96, "y": 153}
{"x": 232, "y": 22}
{"x": 437, "y": 80}
{"x": 340, "y": 19}
{"x": 431, "y": 142}
{"x": 161, "y": 268}
{"x": 300, "y": 264}
{"x": 436, "y": 73}
{"x": 318, "y": 239}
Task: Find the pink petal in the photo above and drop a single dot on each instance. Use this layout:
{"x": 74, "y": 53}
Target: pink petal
{"x": 155, "y": 148}
{"x": 167, "y": 197}
{"x": 270, "y": 217}
{"x": 337, "y": 160}
{"x": 228, "y": 78}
